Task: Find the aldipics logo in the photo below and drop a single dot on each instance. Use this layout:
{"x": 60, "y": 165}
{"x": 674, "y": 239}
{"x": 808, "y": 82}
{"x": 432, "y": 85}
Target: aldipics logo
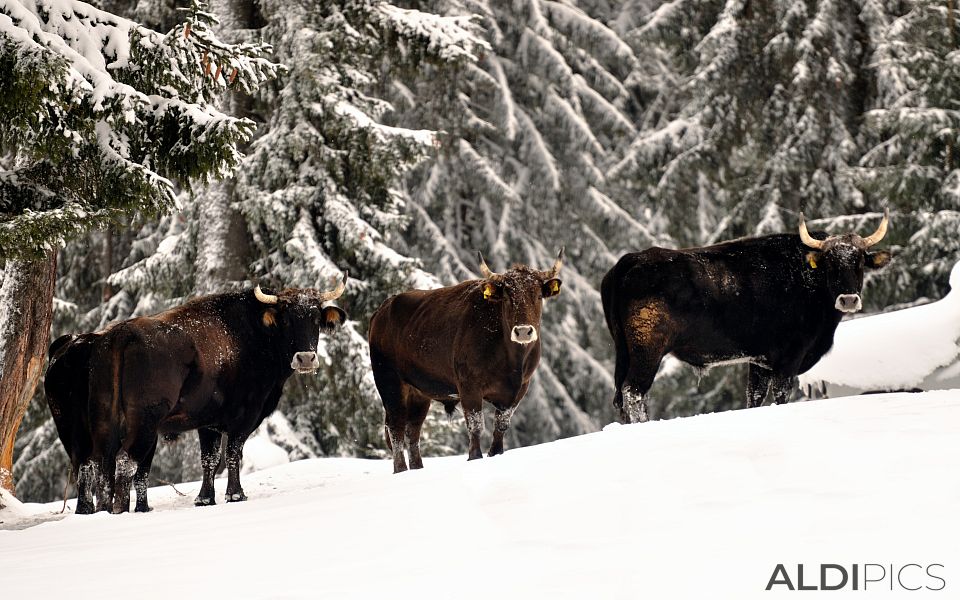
{"x": 866, "y": 577}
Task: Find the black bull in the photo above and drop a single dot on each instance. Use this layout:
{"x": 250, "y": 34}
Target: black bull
{"x": 216, "y": 364}
{"x": 773, "y": 302}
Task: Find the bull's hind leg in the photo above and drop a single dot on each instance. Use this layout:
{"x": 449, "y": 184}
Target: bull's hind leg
{"x": 126, "y": 469}
{"x": 141, "y": 480}
{"x": 105, "y": 470}
{"x": 758, "y": 381}
{"x": 86, "y": 484}
{"x": 472, "y": 404}
{"x": 647, "y": 338}
{"x": 209, "y": 460}
{"x": 418, "y": 406}
{"x": 395, "y": 413}
{"x": 644, "y": 363}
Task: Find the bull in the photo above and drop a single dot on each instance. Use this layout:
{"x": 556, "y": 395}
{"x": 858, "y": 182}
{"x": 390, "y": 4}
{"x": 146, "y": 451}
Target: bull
{"x": 773, "y": 302}
{"x": 216, "y": 364}
{"x": 474, "y": 341}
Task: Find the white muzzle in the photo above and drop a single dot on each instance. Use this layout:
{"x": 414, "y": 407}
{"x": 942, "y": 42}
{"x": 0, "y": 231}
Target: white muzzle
{"x": 305, "y": 362}
{"x": 848, "y": 303}
{"x": 524, "y": 334}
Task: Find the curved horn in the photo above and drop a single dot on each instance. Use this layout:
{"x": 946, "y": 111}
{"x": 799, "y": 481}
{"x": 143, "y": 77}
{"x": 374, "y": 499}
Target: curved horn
{"x": 557, "y": 265}
{"x": 805, "y": 236}
{"x": 265, "y": 298}
{"x": 881, "y": 231}
{"x": 337, "y": 291}
{"x": 484, "y": 269}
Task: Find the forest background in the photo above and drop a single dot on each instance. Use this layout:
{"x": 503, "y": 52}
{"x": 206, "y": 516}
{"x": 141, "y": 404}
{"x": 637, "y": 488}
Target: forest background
{"x": 396, "y": 144}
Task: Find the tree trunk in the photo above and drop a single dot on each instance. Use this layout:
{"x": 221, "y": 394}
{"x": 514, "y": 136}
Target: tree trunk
{"x": 26, "y": 310}
{"x": 223, "y": 245}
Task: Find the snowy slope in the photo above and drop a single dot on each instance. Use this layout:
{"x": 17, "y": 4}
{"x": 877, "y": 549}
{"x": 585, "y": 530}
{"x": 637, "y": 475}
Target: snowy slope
{"x": 917, "y": 347}
{"x": 703, "y": 507}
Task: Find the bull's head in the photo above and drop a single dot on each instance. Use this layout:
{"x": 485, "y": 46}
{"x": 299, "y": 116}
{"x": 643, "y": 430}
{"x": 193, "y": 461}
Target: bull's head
{"x": 842, "y": 259}
{"x": 519, "y": 292}
{"x": 298, "y": 316}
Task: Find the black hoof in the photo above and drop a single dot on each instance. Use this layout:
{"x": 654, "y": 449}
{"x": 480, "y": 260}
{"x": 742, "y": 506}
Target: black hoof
{"x": 204, "y": 502}
{"x": 236, "y": 497}
{"x": 143, "y": 509}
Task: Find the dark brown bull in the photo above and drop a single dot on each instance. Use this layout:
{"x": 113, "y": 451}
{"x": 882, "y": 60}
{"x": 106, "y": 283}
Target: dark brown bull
{"x": 474, "y": 341}
{"x": 217, "y": 364}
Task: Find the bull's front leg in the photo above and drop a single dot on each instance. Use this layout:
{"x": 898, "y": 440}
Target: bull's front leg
{"x": 234, "y": 457}
{"x": 472, "y": 404}
{"x": 758, "y": 381}
{"x": 780, "y": 386}
{"x": 209, "y": 460}
{"x": 501, "y": 423}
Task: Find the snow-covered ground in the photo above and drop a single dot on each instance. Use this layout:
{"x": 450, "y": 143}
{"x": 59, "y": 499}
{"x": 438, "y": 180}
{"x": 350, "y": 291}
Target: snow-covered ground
{"x": 703, "y": 507}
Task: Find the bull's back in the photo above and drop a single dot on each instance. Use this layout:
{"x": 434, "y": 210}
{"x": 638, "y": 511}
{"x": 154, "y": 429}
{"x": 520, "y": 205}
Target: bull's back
{"x": 415, "y": 335}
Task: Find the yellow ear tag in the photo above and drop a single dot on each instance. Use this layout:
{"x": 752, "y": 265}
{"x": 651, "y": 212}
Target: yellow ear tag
{"x": 554, "y": 287}
{"x": 487, "y": 291}
{"x": 812, "y": 261}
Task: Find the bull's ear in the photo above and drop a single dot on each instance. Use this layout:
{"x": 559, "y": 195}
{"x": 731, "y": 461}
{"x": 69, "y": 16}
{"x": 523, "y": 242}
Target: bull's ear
{"x": 878, "y": 259}
{"x": 269, "y": 317}
{"x": 333, "y": 317}
{"x": 490, "y": 290}
{"x": 551, "y": 288}
{"x": 811, "y": 259}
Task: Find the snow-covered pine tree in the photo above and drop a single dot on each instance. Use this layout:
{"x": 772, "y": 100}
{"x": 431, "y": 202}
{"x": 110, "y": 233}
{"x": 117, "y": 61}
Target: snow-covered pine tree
{"x": 910, "y": 137}
{"x": 98, "y": 115}
{"x": 756, "y": 123}
{"x": 530, "y": 130}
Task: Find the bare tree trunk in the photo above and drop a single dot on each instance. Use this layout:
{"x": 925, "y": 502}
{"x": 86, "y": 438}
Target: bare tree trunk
{"x": 26, "y": 310}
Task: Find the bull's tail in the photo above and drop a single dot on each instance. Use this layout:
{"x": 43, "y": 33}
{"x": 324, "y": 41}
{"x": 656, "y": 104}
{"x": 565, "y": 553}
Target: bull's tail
{"x": 612, "y": 315}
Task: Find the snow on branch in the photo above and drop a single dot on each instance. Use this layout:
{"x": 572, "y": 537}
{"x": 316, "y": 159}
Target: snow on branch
{"x": 571, "y": 122}
{"x": 107, "y": 113}
{"x": 504, "y": 98}
{"x": 482, "y": 170}
{"x": 675, "y": 138}
{"x": 449, "y": 38}
{"x": 538, "y": 54}
{"x": 591, "y": 33}
{"x": 536, "y": 153}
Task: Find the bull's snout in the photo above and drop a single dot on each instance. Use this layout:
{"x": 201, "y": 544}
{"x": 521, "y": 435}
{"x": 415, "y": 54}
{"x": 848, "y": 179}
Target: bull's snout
{"x": 524, "y": 334}
{"x": 848, "y": 303}
{"x": 305, "y": 362}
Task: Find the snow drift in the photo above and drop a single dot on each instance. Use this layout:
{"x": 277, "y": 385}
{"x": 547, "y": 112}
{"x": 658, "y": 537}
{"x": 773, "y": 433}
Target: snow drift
{"x": 702, "y": 507}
